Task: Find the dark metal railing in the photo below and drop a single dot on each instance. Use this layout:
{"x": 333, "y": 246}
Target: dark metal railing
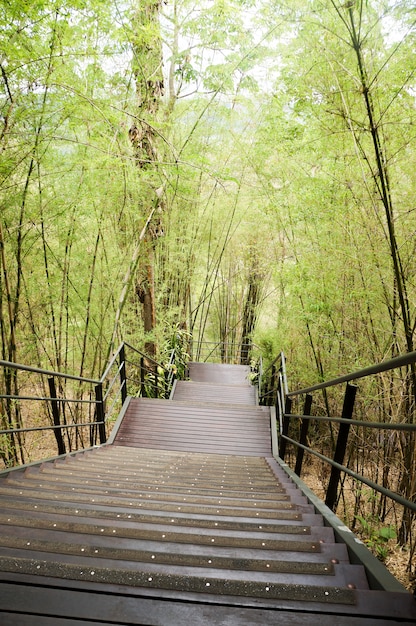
{"x": 95, "y": 402}
{"x": 272, "y": 382}
{"x": 276, "y": 393}
{"x": 223, "y": 352}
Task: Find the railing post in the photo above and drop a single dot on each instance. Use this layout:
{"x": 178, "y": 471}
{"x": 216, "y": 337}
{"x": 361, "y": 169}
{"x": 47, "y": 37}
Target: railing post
{"x": 285, "y": 427}
{"x": 56, "y": 416}
{"x": 259, "y": 380}
{"x": 273, "y": 384}
{"x": 156, "y": 383}
{"x": 303, "y": 433}
{"x": 123, "y": 377}
{"x": 142, "y": 385}
{"x": 166, "y": 379}
{"x": 341, "y": 446}
{"x": 100, "y": 412}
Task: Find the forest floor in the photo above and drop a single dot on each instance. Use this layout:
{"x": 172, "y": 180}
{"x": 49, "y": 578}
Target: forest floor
{"x": 396, "y": 558}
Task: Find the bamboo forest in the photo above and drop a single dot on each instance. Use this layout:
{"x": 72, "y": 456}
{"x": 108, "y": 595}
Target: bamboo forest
{"x": 236, "y": 171}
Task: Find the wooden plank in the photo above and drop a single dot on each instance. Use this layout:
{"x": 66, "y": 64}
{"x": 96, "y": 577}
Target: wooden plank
{"x": 197, "y": 445}
{"x": 219, "y": 373}
{"x": 199, "y": 392}
{"x": 165, "y": 425}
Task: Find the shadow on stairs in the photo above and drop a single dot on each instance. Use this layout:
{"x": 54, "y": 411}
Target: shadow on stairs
{"x": 184, "y": 517}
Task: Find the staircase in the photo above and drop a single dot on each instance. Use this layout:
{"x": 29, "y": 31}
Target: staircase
{"x": 184, "y": 517}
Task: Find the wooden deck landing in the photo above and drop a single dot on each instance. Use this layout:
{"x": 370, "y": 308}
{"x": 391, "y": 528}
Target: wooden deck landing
{"x": 189, "y": 427}
{"x": 180, "y": 520}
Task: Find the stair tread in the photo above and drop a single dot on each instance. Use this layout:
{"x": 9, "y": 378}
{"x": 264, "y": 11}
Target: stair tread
{"x": 166, "y": 522}
{"x": 195, "y": 520}
{"x": 151, "y": 552}
{"x": 186, "y": 490}
{"x": 340, "y": 575}
{"x": 107, "y": 504}
{"x": 208, "y": 582}
{"x": 65, "y": 492}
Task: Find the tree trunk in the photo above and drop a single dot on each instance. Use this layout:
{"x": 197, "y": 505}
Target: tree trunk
{"x": 147, "y": 68}
{"x": 250, "y": 312}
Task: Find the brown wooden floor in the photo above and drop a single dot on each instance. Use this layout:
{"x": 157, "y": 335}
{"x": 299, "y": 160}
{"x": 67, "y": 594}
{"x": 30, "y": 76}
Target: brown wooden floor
{"x": 215, "y": 411}
{"x": 221, "y": 373}
{"x": 198, "y": 427}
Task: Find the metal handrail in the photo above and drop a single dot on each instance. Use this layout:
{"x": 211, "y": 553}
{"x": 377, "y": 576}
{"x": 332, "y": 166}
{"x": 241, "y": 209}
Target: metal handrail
{"x": 283, "y": 405}
{"x": 213, "y": 346}
{"x": 340, "y": 420}
{"x": 148, "y": 358}
{"x": 111, "y": 362}
{"x": 362, "y": 479}
{"x": 278, "y": 384}
{"x": 384, "y": 366}
{"x": 103, "y": 413}
{"x": 112, "y": 381}
{"x": 39, "y": 370}
{"x": 260, "y": 376}
{"x": 273, "y": 363}
{"x": 284, "y": 375}
{"x": 33, "y": 429}
{"x": 46, "y": 398}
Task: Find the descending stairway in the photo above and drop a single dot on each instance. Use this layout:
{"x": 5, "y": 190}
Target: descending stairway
{"x": 210, "y": 383}
{"x": 184, "y": 518}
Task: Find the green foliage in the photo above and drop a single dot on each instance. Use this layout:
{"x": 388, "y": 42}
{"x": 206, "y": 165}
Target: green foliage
{"x": 178, "y": 343}
{"x": 377, "y": 537}
{"x": 285, "y": 174}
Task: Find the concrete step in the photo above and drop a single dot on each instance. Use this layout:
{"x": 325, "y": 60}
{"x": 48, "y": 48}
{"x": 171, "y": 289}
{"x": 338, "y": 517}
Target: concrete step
{"x": 48, "y": 605}
{"x": 291, "y": 541}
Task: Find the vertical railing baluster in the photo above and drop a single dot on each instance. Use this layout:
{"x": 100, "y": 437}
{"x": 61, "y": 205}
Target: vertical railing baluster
{"x": 285, "y": 427}
{"x": 56, "y": 416}
{"x": 303, "y": 433}
{"x": 166, "y": 384}
{"x": 341, "y": 446}
{"x": 273, "y": 385}
{"x": 142, "y": 385}
{"x": 100, "y": 412}
{"x": 123, "y": 377}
